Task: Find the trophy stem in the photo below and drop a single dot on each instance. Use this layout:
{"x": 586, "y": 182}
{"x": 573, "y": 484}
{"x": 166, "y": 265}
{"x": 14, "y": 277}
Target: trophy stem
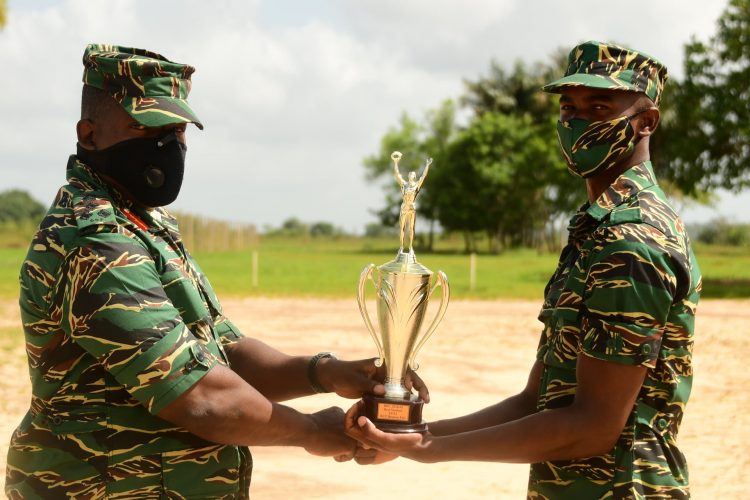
{"x": 395, "y": 389}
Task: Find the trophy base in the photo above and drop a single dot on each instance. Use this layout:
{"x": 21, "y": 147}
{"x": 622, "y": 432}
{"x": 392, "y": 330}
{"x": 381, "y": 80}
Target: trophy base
{"x": 398, "y": 416}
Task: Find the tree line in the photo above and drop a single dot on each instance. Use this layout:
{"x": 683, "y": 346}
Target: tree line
{"x": 500, "y": 174}
{"x": 20, "y": 214}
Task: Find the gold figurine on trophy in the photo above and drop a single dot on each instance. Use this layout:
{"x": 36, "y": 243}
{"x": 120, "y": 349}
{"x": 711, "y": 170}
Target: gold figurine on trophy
{"x": 409, "y": 191}
{"x": 403, "y": 290}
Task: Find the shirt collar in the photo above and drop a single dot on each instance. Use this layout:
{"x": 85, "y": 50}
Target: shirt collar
{"x": 589, "y": 216}
{"x": 629, "y": 183}
{"x": 83, "y": 176}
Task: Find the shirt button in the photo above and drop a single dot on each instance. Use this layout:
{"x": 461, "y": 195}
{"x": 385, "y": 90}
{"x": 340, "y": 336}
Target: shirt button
{"x": 200, "y": 356}
{"x": 661, "y": 424}
{"x": 188, "y": 367}
{"x": 646, "y": 348}
{"x": 57, "y": 420}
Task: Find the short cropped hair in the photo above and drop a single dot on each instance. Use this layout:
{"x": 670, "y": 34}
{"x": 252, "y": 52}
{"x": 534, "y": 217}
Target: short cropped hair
{"x": 645, "y": 102}
{"x": 96, "y": 103}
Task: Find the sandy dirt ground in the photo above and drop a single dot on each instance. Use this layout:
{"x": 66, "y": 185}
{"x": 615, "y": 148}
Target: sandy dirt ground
{"x": 481, "y": 353}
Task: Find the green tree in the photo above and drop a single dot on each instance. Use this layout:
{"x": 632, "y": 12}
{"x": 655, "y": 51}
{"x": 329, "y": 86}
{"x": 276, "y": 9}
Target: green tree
{"x": 292, "y": 227}
{"x": 518, "y": 91}
{"x": 502, "y": 174}
{"x": 722, "y": 232}
{"x": 705, "y": 141}
{"x": 537, "y": 192}
{"x": 325, "y": 229}
{"x": 406, "y": 138}
{"x": 377, "y": 230}
{"x": 17, "y": 205}
{"x": 497, "y": 179}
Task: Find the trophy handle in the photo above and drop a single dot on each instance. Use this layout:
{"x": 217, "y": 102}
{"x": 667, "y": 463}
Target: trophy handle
{"x": 442, "y": 281}
{"x": 367, "y": 273}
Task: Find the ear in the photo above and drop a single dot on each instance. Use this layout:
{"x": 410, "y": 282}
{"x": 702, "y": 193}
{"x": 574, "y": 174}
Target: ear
{"x": 648, "y": 121}
{"x": 85, "y": 130}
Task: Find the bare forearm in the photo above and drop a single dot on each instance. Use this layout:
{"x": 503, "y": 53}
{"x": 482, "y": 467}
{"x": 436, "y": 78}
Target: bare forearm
{"x": 223, "y": 409}
{"x": 512, "y": 408}
{"x": 589, "y": 426}
{"x": 278, "y": 376}
{"x": 560, "y": 434}
{"x": 281, "y": 426}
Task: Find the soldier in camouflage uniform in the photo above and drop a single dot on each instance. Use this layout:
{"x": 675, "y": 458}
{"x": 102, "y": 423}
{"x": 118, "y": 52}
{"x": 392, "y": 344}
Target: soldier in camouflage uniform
{"x": 602, "y": 407}
{"x": 141, "y": 387}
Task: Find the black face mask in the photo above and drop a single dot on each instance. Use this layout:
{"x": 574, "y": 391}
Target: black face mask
{"x": 149, "y": 169}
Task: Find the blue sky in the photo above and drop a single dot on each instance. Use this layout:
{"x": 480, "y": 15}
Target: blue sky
{"x": 294, "y": 94}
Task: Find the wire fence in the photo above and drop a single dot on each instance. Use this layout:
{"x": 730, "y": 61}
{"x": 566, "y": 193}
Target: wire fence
{"x": 203, "y": 234}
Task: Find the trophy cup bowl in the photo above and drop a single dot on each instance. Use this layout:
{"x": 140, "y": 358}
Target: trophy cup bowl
{"x": 403, "y": 290}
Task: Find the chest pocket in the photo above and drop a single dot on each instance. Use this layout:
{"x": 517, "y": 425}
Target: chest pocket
{"x": 565, "y": 305}
{"x": 208, "y": 292}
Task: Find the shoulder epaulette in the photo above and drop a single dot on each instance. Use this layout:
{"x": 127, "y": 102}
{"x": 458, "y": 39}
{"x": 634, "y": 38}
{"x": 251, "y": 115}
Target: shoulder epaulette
{"x": 93, "y": 213}
{"x": 625, "y": 214}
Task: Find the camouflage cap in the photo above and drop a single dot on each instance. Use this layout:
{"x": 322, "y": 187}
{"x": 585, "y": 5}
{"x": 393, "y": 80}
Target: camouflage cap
{"x": 151, "y": 88}
{"x": 607, "y": 66}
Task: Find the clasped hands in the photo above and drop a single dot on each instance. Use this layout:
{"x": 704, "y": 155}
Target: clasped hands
{"x": 351, "y": 436}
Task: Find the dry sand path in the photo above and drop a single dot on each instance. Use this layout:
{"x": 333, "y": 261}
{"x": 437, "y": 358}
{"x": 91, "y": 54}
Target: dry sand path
{"x": 480, "y": 354}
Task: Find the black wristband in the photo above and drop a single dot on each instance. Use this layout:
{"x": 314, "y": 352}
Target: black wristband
{"x": 312, "y": 373}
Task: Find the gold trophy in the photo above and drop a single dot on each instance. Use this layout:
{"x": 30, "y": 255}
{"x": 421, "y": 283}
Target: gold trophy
{"x": 403, "y": 290}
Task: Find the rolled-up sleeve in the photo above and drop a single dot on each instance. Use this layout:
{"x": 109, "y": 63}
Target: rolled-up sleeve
{"x": 114, "y": 306}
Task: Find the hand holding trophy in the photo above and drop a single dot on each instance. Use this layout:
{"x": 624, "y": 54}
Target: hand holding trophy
{"x": 403, "y": 290}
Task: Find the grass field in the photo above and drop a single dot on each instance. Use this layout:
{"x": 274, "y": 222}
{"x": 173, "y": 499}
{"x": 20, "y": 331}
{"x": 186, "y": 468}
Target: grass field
{"x": 331, "y": 268}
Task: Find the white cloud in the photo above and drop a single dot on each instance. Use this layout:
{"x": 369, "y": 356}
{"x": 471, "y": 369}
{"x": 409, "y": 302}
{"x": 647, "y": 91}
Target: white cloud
{"x": 293, "y": 93}
{"x": 424, "y": 25}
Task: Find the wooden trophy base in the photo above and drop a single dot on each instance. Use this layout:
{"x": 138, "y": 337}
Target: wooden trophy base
{"x": 399, "y": 416}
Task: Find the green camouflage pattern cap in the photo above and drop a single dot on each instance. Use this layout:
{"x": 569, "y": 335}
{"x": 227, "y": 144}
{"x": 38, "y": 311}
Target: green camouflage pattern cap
{"x": 607, "y": 66}
{"x": 151, "y": 88}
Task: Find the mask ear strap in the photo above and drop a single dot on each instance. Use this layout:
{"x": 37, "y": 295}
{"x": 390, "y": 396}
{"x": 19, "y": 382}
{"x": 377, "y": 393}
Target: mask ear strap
{"x": 638, "y": 113}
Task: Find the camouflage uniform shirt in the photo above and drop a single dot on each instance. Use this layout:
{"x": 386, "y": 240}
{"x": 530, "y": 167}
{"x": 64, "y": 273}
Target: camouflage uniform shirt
{"x": 625, "y": 291}
{"x": 119, "y": 321}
